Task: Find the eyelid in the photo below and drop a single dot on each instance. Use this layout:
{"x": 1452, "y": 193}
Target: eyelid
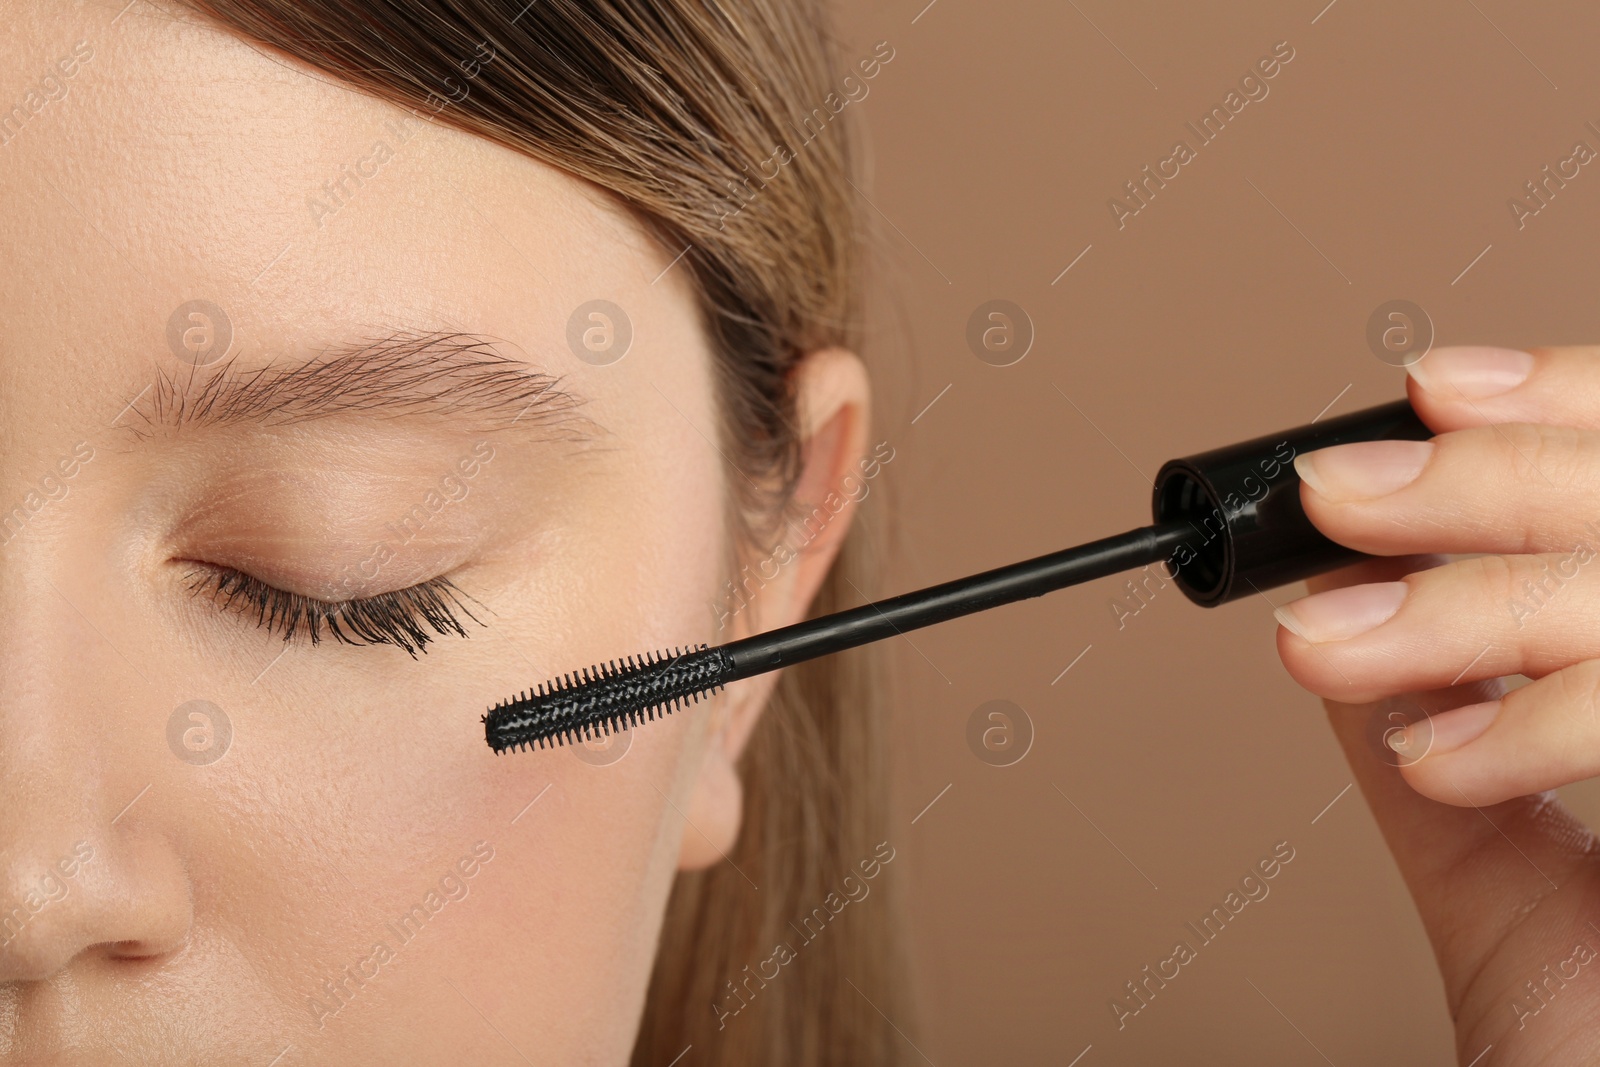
{"x": 402, "y": 618}
{"x": 298, "y": 554}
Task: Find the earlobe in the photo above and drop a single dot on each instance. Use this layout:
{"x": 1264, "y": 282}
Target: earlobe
{"x": 715, "y": 809}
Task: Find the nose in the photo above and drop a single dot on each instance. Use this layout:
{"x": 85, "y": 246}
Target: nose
{"x": 68, "y": 892}
{"x": 88, "y": 862}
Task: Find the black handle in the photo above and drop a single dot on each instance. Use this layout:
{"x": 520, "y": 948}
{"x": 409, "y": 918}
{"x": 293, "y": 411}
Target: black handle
{"x": 1243, "y": 502}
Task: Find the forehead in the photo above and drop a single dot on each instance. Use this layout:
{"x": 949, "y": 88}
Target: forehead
{"x": 166, "y": 164}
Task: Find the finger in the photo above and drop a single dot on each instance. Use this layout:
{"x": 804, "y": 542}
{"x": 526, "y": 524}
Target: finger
{"x": 1472, "y": 873}
{"x": 1543, "y": 735}
{"x": 1466, "y": 621}
{"x": 1516, "y": 488}
{"x": 1454, "y": 388}
{"x": 1477, "y": 875}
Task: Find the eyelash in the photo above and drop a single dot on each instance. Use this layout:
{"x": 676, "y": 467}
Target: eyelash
{"x": 400, "y": 618}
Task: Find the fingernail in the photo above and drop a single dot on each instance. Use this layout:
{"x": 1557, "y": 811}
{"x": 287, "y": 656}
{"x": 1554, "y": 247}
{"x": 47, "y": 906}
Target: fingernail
{"x": 1472, "y": 372}
{"x": 1446, "y": 731}
{"x": 1340, "y": 614}
{"x": 1363, "y": 470}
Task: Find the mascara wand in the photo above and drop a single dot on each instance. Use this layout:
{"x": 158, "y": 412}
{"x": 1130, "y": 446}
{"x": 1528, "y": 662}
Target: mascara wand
{"x": 1228, "y": 522}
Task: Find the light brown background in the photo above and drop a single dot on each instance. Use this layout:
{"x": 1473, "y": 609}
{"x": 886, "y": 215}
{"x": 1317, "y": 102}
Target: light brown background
{"x": 1392, "y": 142}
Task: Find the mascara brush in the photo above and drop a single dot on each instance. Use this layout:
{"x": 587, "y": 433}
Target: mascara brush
{"x": 1228, "y": 523}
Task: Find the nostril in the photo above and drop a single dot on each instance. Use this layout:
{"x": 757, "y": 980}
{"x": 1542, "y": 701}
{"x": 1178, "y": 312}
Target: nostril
{"x": 140, "y": 951}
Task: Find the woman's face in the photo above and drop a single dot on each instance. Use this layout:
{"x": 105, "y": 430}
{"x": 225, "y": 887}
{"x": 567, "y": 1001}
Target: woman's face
{"x": 251, "y": 325}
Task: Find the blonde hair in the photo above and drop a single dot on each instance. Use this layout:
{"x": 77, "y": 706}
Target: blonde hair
{"x": 668, "y": 105}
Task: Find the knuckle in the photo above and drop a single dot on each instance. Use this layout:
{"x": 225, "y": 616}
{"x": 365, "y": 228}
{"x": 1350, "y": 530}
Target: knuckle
{"x": 1512, "y": 594}
{"x": 1578, "y": 687}
{"x": 1558, "y": 453}
{"x": 1496, "y": 579}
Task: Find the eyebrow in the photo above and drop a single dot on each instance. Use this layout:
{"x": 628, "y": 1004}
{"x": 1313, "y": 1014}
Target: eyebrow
{"x": 450, "y": 377}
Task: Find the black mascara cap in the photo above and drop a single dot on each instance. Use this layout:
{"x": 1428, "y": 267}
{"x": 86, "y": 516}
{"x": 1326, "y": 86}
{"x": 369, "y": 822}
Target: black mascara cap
{"x": 1243, "y": 502}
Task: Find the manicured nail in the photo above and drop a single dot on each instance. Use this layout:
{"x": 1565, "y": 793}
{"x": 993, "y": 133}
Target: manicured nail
{"x": 1472, "y": 372}
{"x": 1363, "y": 470}
{"x": 1340, "y": 614}
{"x": 1444, "y": 732}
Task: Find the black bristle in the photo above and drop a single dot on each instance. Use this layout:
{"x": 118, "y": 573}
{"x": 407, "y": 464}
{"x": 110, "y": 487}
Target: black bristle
{"x": 598, "y": 702}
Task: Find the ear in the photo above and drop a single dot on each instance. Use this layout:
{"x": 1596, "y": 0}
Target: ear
{"x": 777, "y": 587}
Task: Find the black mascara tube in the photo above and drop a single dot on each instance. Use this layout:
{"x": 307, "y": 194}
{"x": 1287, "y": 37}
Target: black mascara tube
{"x": 1228, "y": 523}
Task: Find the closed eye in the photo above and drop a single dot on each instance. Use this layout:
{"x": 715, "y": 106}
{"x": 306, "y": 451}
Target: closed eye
{"x": 407, "y": 618}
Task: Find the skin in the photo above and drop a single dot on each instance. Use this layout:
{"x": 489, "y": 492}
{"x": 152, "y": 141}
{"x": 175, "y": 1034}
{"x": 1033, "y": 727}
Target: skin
{"x": 209, "y": 902}
{"x": 1505, "y": 879}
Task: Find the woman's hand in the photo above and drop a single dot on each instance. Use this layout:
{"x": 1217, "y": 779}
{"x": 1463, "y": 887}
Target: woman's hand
{"x": 1506, "y": 880}
{"x": 1514, "y": 472}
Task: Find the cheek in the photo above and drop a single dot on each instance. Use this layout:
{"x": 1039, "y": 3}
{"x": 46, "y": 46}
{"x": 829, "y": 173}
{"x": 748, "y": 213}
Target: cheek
{"x": 387, "y": 795}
